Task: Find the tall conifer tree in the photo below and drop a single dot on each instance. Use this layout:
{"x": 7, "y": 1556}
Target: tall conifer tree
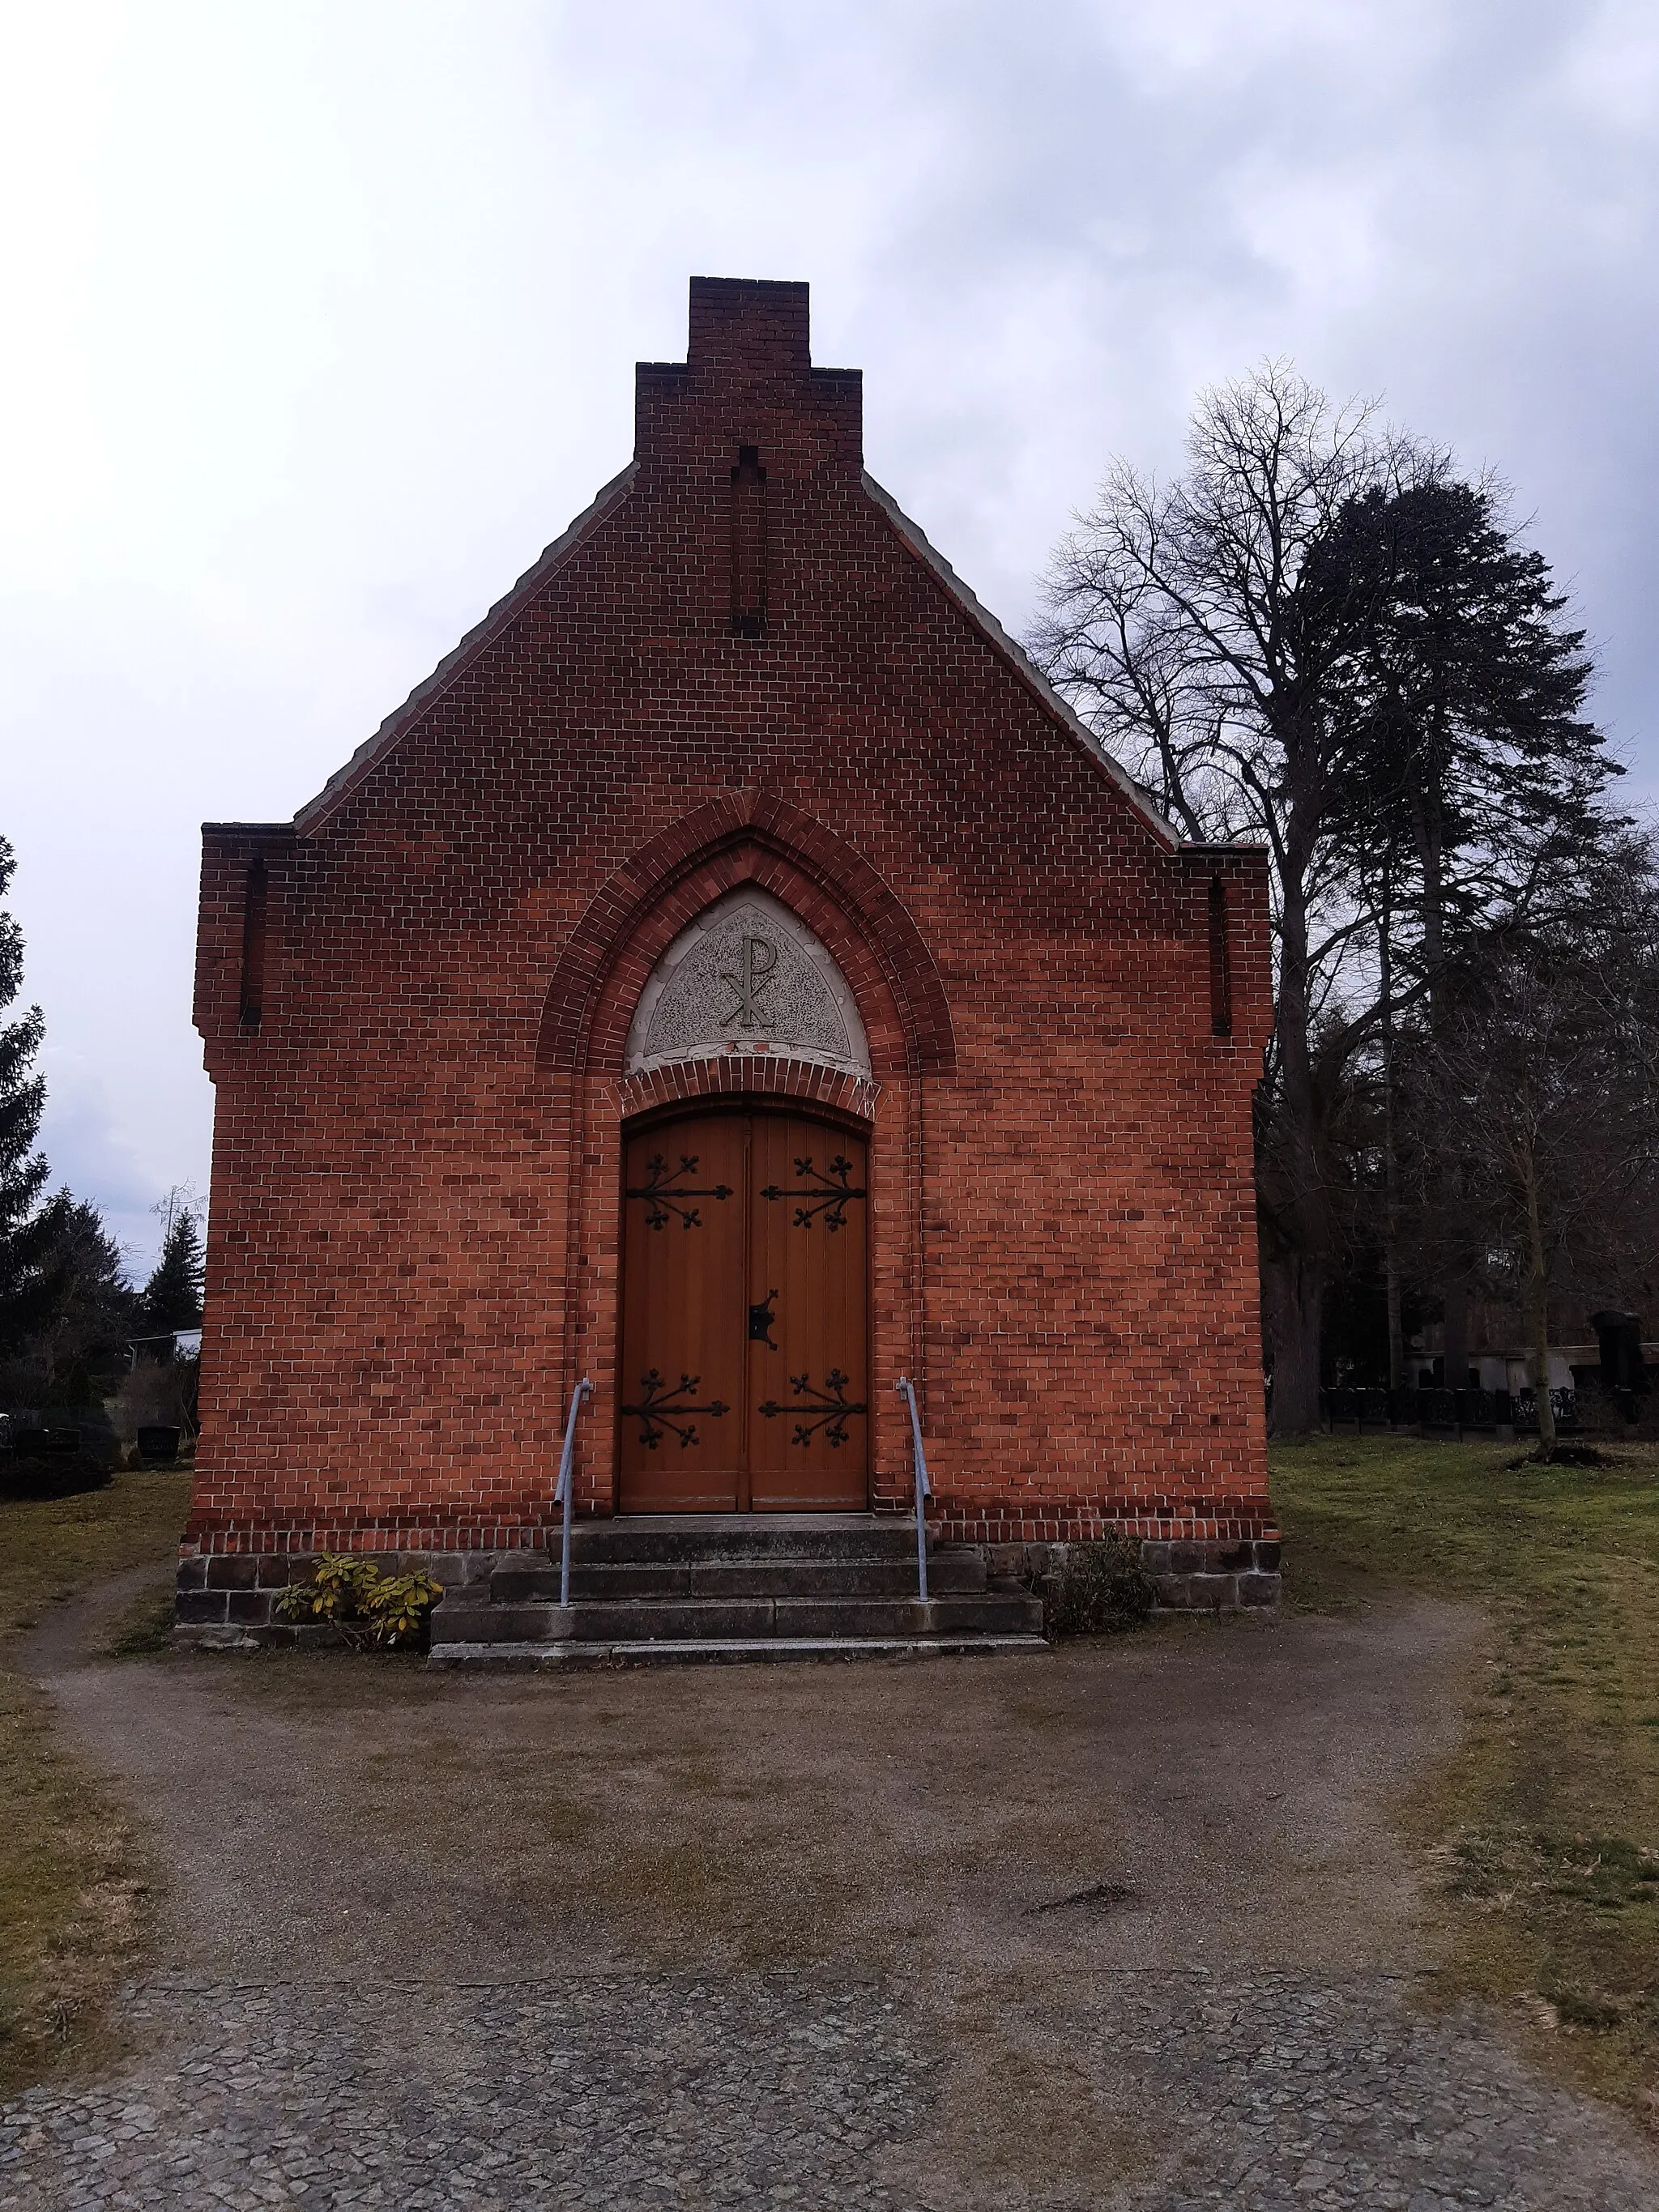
{"x": 30, "y": 1231}
{"x": 173, "y": 1296}
{"x": 1476, "y": 787}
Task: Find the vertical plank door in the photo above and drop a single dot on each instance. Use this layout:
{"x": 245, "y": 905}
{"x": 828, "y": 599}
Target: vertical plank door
{"x": 681, "y": 1390}
{"x": 809, "y": 1423}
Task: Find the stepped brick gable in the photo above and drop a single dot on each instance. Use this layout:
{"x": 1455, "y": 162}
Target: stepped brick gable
{"x": 968, "y": 944}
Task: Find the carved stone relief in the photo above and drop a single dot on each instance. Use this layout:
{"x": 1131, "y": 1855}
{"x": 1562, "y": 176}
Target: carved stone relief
{"x": 747, "y": 975}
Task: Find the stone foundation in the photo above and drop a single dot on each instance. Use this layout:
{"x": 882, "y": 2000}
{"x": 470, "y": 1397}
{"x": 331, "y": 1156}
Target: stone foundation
{"x": 1214, "y": 1577}
{"x": 226, "y": 1598}
{"x": 1200, "y": 1575}
{"x": 230, "y": 1597}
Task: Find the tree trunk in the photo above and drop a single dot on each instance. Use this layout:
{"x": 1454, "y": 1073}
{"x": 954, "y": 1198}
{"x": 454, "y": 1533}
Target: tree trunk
{"x": 1427, "y": 830}
{"x": 1299, "y": 1205}
{"x": 1456, "y": 1296}
{"x": 1428, "y": 825}
{"x": 1390, "y": 1157}
{"x": 1538, "y": 1304}
{"x": 1293, "y": 1299}
{"x": 1397, "y": 1332}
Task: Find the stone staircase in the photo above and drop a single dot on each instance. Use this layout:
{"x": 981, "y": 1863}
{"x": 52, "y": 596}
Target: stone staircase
{"x": 664, "y": 1588}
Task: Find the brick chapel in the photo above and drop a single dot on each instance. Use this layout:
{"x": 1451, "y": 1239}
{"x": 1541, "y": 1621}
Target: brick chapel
{"x": 734, "y": 975}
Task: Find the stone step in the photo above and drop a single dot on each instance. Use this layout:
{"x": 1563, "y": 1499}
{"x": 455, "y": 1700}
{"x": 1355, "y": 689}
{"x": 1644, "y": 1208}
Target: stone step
{"x": 952, "y": 1572}
{"x": 651, "y": 1620}
{"x": 639, "y": 1539}
{"x": 714, "y": 1651}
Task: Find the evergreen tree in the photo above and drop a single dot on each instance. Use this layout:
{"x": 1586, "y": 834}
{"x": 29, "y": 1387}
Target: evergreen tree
{"x": 30, "y": 1285}
{"x": 172, "y": 1298}
{"x": 1473, "y": 777}
{"x": 79, "y": 1354}
{"x": 1475, "y": 795}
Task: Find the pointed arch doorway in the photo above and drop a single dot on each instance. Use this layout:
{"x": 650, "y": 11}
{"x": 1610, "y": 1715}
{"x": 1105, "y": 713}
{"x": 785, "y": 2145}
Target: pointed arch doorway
{"x": 745, "y": 1374}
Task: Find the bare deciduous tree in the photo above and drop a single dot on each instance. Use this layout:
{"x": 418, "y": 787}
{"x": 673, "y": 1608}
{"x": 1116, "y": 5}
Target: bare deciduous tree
{"x": 1188, "y": 620}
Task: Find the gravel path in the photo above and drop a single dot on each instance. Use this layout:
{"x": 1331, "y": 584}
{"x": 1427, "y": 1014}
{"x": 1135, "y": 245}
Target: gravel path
{"x": 634, "y": 2092}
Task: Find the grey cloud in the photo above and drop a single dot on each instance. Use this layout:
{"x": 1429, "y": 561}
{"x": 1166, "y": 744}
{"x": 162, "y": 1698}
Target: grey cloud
{"x": 353, "y": 298}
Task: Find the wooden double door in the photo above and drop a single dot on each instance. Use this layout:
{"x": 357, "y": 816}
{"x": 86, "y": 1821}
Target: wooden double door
{"x": 744, "y": 1362}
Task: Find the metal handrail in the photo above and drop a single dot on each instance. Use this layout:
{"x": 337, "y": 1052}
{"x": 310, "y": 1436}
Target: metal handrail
{"x": 561, "y": 1495}
{"x": 924, "y": 1488}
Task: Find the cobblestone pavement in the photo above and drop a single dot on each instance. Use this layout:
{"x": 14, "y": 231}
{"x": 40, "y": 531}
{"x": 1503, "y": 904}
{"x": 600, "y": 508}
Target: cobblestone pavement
{"x": 599, "y": 2093}
{"x": 1296, "y": 2093}
{"x": 626, "y": 2092}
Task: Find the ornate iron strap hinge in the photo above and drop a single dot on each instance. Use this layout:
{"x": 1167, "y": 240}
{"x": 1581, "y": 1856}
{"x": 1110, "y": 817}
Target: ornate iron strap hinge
{"x": 661, "y": 1409}
{"x": 662, "y": 1192}
{"x": 829, "y": 1409}
{"x": 829, "y": 1192}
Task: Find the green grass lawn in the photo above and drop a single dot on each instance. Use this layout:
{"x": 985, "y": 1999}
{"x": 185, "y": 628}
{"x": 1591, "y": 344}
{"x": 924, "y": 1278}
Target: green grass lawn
{"x": 1546, "y": 1823}
{"x": 72, "y": 1884}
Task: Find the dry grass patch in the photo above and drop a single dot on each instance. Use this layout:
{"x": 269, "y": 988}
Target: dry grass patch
{"x": 1545, "y": 1825}
{"x": 72, "y": 1884}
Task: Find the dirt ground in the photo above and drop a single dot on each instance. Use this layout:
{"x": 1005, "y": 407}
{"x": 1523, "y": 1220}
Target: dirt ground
{"x": 998, "y": 1845}
{"x": 923, "y": 1821}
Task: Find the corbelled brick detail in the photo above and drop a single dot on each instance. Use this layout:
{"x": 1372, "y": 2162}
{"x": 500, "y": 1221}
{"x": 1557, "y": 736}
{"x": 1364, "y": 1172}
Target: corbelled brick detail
{"x": 413, "y": 1235}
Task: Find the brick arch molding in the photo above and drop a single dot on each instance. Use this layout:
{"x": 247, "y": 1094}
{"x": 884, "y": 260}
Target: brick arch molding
{"x": 750, "y": 837}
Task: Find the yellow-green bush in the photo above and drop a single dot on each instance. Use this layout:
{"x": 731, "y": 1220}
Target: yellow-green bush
{"x": 349, "y": 1592}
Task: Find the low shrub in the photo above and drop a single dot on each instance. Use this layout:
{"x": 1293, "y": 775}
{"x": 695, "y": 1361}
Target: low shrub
{"x": 400, "y": 1605}
{"x": 156, "y": 1394}
{"x": 338, "y": 1593}
{"x": 1102, "y": 1589}
{"x": 60, "y": 1474}
{"x": 349, "y": 1592}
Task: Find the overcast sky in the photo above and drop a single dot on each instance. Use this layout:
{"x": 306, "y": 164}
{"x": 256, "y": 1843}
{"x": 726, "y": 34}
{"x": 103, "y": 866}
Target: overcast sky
{"x": 321, "y": 320}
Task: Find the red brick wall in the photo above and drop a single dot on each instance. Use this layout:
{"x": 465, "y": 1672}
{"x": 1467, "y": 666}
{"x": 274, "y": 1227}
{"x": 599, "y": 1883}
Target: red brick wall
{"x": 413, "y": 1244}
